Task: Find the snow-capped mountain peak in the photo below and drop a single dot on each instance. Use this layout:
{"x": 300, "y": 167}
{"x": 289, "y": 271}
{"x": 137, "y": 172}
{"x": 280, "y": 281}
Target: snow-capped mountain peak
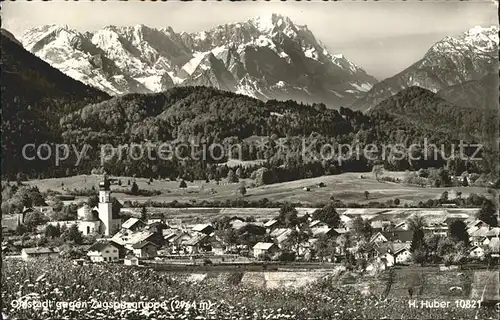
{"x": 266, "y": 57}
{"x": 453, "y": 60}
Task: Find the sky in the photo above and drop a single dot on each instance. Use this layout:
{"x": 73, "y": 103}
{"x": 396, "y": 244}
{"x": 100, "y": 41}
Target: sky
{"x": 382, "y": 37}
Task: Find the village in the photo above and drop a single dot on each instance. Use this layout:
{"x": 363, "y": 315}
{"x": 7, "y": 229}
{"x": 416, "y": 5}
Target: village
{"x": 366, "y": 239}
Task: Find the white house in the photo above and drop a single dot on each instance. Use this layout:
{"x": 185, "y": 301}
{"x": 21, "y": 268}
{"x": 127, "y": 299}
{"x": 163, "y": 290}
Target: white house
{"x": 104, "y": 251}
{"x": 476, "y": 252}
{"x": 264, "y": 248}
{"x": 39, "y": 252}
{"x": 131, "y": 260}
{"x": 402, "y": 254}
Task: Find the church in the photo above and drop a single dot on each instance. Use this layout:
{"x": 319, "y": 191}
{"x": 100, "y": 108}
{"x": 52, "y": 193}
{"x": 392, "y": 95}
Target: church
{"x": 99, "y": 219}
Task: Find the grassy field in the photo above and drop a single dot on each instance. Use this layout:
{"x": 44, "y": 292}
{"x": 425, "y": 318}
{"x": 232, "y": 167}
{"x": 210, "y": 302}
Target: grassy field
{"x": 347, "y": 187}
{"x": 228, "y": 293}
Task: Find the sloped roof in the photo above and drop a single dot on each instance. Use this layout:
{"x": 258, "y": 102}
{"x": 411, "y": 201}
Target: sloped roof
{"x": 481, "y": 232}
{"x": 319, "y": 231}
{"x": 263, "y": 245}
{"x": 101, "y": 245}
{"x": 493, "y": 232}
{"x": 195, "y": 240}
{"x": 376, "y": 235}
{"x": 284, "y": 236}
{"x": 314, "y": 223}
{"x": 130, "y": 223}
{"x": 122, "y": 238}
{"x": 476, "y": 223}
{"x": 41, "y": 250}
{"x": 398, "y": 247}
{"x": 277, "y": 232}
{"x": 401, "y": 235}
{"x": 142, "y": 244}
{"x": 201, "y": 227}
{"x": 270, "y": 223}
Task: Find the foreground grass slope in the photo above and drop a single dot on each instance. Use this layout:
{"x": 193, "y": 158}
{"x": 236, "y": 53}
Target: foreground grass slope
{"x": 59, "y": 280}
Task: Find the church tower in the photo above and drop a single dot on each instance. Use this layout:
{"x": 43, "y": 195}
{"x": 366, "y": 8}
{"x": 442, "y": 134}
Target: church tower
{"x": 105, "y": 206}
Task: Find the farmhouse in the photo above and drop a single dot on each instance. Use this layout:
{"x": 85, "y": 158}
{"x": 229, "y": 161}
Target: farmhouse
{"x": 39, "y": 252}
{"x": 196, "y": 244}
{"x": 131, "y": 260}
{"x": 104, "y": 251}
{"x": 476, "y": 252}
{"x": 145, "y": 249}
{"x": 217, "y": 247}
{"x": 264, "y": 248}
{"x": 401, "y": 253}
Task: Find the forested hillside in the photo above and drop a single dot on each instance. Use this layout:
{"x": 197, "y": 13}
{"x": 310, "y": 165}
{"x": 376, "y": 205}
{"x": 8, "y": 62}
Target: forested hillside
{"x": 274, "y": 131}
{"x": 34, "y": 97}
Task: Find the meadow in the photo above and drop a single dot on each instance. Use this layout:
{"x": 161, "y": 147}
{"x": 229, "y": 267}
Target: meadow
{"x": 347, "y": 187}
{"x": 219, "y": 297}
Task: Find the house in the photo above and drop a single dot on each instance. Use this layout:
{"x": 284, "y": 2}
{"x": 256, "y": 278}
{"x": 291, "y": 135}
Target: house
{"x": 276, "y": 232}
{"x": 477, "y": 224}
{"x": 128, "y": 238}
{"x": 477, "y": 237}
{"x": 203, "y": 228}
{"x": 284, "y": 237}
{"x": 157, "y": 227}
{"x": 39, "y": 252}
{"x": 133, "y": 224}
{"x": 383, "y": 254}
{"x": 476, "y": 252}
{"x": 104, "y": 251}
{"x": 322, "y": 231}
{"x": 401, "y": 253}
{"x": 177, "y": 242}
{"x": 131, "y": 260}
{"x": 217, "y": 248}
{"x": 264, "y": 249}
{"x": 377, "y": 238}
{"x": 145, "y": 249}
{"x": 196, "y": 244}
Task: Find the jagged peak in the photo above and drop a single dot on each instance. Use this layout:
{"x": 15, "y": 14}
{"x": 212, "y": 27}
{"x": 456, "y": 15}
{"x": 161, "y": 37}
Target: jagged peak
{"x": 268, "y": 22}
{"x": 478, "y": 29}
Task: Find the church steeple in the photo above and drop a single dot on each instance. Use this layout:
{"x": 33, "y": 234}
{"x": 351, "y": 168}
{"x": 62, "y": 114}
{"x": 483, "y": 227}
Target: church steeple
{"x": 105, "y": 206}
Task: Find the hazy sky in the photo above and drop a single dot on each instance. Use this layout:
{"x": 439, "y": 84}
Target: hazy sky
{"x": 382, "y": 37}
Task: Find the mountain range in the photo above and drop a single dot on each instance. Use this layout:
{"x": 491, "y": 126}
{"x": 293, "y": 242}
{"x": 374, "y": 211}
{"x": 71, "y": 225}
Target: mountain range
{"x": 450, "y": 62}
{"x": 266, "y": 57}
